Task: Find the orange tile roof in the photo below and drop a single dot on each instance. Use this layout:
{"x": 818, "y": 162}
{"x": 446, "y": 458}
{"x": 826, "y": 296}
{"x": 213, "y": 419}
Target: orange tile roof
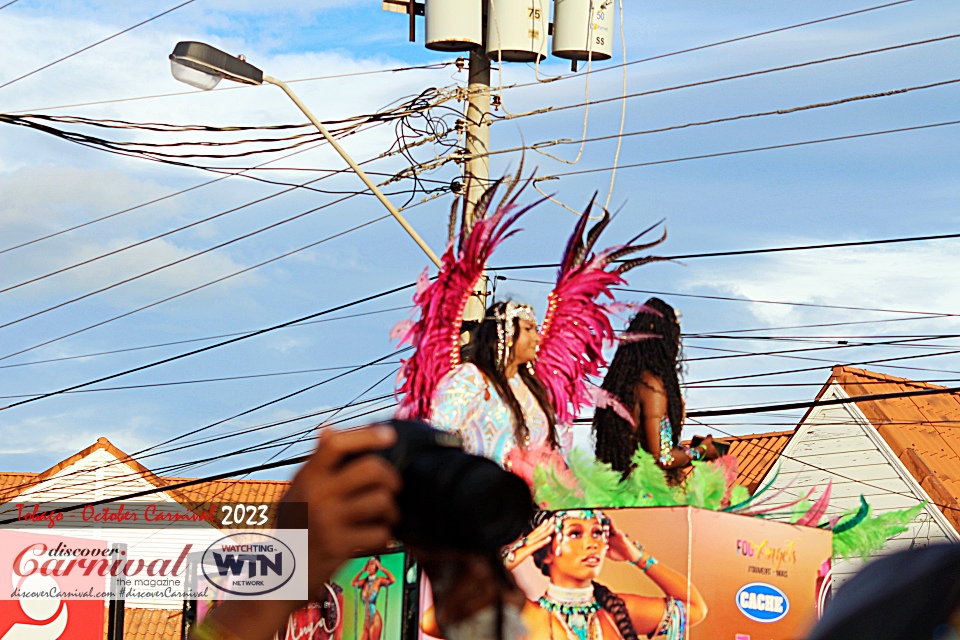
{"x": 756, "y": 454}
{"x": 12, "y": 484}
{"x": 150, "y": 624}
{"x": 924, "y": 431}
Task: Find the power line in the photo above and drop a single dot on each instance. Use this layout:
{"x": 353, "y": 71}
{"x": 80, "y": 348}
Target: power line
{"x": 820, "y": 368}
{"x": 739, "y": 76}
{"x": 744, "y": 252}
{"x": 99, "y": 42}
{"x": 432, "y": 66}
{"x": 198, "y": 287}
{"x": 4, "y": 6}
{"x": 716, "y": 44}
{"x": 734, "y": 152}
{"x": 144, "y": 453}
{"x": 204, "y": 339}
{"x": 226, "y": 173}
{"x": 175, "y": 383}
{"x": 790, "y": 304}
{"x": 213, "y": 346}
{"x": 760, "y": 114}
{"x": 179, "y": 261}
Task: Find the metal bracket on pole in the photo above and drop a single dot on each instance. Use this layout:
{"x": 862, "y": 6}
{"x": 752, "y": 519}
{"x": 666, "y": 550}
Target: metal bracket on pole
{"x": 356, "y": 169}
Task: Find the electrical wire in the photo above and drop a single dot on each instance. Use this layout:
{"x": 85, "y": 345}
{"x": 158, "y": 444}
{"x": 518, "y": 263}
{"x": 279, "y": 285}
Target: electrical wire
{"x": 760, "y": 114}
{"x": 723, "y": 42}
{"x": 214, "y": 346}
{"x": 739, "y": 76}
{"x": 203, "y": 339}
{"x": 95, "y": 44}
{"x": 7, "y": 4}
{"x": 174, "y": 383}
{"x": 735, "y": 152}
{"x": 745, "y": 252}
{"x": 431, "y": 66}
{"x": 227, "y": 173}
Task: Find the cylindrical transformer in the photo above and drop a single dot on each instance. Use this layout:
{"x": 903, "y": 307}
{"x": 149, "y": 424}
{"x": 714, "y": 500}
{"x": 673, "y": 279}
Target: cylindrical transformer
{"x": 583, "y": 29}
{"x": 517, "y": 30}
{"x": 454, "y": 25}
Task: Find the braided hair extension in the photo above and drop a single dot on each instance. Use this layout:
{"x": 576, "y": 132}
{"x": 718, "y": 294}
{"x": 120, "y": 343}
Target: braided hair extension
{"x": 616, "y": 607}
{"x": 616, "y": 439}
{"x": 482, "y": 352}
{"x": 608, "y": 600}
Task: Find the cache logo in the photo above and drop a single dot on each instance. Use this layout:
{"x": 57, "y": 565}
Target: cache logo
{"x": 762, "y": 602}
{"x": 248, "y": 564}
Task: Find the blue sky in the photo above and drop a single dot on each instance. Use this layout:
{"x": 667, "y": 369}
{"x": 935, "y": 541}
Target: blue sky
{"x": 885, "y": 186}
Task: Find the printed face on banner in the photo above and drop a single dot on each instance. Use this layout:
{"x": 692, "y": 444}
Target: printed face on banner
{"x": 35, "y": 591}
{"x": 714, "y": 575}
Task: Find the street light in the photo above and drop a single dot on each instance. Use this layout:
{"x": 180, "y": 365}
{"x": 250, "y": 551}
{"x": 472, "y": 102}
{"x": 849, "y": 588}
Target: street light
{"x": 203, "y": 66}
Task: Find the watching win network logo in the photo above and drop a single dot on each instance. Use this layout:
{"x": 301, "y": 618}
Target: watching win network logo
{"x": 248, "y": 564}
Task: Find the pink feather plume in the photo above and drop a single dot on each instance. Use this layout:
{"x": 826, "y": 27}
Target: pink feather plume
{"x": 603, "y": 399}
{"x": 436, "y": 335}
{"x": 577, "y": 325}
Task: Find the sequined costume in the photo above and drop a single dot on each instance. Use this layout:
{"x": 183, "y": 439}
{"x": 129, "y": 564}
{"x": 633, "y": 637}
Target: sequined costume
{"x": 468, "y": 404}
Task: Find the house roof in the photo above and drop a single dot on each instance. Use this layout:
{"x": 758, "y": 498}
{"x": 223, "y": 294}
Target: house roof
{"x": 150, "y": 624}
{"x": 13, "y": 484}
{"x": 923, "y": 431}
{"x": 756, "y": 453}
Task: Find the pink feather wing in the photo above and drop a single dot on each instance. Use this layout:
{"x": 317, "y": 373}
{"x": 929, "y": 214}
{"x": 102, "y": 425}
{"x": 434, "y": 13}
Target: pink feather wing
{"x": 436, "y": 335}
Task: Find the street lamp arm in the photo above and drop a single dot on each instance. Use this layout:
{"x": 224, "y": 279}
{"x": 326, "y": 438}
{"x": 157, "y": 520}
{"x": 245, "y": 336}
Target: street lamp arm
{"x": 356, "y": 168}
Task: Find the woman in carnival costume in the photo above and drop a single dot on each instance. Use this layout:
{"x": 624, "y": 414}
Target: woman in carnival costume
{"x": 496, "y": 386}
{"x": 570, "y": 548}
{"x": 645, "y": 377}
{"x": 516, "y": 419}
{"x": 369, "y": 582}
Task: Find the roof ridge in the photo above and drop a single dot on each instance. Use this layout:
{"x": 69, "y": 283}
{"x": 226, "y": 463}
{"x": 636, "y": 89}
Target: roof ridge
{"x": 866, "y": 373}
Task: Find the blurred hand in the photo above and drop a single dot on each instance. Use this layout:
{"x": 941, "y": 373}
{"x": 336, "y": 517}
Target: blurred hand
{"x": 709, "y": 449}
{"x": 351, "y": 509}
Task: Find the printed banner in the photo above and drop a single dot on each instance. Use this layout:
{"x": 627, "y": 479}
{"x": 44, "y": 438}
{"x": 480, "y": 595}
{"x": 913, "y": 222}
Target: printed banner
{"x": 152, "y": 568}
{"x": 46, "y": 605}
{"x": 589, "y": 574}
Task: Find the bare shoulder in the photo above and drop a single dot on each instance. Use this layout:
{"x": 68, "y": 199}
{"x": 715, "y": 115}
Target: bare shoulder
{"x": 651, "y": 382}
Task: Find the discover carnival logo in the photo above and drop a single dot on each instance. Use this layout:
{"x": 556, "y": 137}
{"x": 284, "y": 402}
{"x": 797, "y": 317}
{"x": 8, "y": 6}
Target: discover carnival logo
{"x": 248, "y": 564}
{"x": 762, "y": 602}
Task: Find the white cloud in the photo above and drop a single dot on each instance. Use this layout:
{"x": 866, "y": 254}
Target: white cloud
{"x": 915, "y": 277}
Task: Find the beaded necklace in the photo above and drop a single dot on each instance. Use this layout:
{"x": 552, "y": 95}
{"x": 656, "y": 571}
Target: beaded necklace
{"x": 576, "y": 609}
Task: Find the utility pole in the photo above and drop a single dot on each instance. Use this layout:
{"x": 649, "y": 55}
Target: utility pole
{"x": 477, "y": 148}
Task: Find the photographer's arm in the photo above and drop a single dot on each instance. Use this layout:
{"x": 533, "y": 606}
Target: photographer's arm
{"x": 350, "y": 507}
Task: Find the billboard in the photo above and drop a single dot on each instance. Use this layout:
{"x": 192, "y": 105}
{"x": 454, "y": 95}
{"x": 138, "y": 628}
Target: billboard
{"x": 39, "y": 599}
{"x": 588, "y": 573}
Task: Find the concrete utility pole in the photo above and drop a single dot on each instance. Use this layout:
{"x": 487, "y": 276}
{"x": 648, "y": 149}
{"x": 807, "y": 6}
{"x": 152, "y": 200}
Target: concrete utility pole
{"x": 477, "y": 147}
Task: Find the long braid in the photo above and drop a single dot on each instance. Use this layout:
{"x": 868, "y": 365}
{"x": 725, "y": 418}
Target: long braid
{"x": 616, "y": 439}
{"x": 616, "y": 607}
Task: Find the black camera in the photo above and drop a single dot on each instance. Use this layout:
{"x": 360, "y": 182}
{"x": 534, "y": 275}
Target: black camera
{"x": 452, "y": 500}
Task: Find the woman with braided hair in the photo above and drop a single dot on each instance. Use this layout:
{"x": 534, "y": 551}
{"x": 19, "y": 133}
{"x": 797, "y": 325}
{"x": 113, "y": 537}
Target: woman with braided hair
{"x": 570, "y": 547}
{"x": 645, "y": 377}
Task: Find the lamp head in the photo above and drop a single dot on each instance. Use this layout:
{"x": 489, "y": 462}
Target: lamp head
{"x": 203, "y": 66}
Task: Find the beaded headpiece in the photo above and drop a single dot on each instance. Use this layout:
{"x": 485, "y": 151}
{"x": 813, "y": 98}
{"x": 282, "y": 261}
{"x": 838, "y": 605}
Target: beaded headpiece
{"x": 580, "y": 514}
{"x": 506, "y": 328}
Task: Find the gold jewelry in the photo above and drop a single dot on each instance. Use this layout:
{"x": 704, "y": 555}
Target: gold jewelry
{"x": 212, "y": 630}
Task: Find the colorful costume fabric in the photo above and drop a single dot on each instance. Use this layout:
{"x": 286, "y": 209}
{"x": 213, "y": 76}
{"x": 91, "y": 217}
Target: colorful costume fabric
{"x": 468, "y": 404}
